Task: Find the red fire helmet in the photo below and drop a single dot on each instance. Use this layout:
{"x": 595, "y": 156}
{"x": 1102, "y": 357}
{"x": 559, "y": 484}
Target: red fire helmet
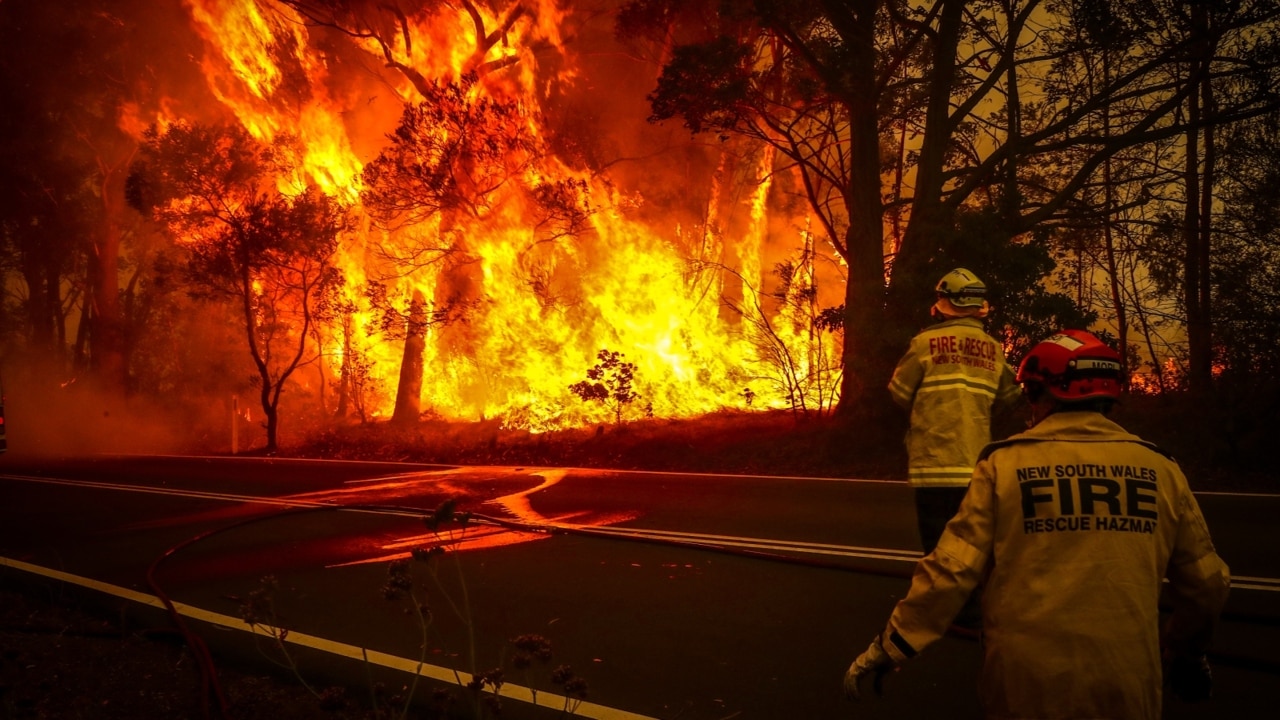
{"x": 1073, "y": 365}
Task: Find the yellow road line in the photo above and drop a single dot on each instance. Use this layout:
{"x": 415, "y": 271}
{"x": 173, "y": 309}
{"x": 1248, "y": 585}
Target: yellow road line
{"x": 435, "y": 672}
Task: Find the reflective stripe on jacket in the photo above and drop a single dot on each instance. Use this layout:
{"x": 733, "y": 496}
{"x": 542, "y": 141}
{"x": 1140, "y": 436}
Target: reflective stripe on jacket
{"x": 950, "y": 376}
{"x": 1073, "y": 524}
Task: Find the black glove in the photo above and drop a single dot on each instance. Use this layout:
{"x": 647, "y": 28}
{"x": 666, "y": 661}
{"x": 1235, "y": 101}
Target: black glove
{"x": 1189, "y": 678}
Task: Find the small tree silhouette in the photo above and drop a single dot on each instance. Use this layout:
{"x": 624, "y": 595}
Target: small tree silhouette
{"x": 609, "y": 382}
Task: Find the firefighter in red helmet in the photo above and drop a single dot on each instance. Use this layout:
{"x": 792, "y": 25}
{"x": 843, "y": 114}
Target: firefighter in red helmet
{"x": 1073, "y": 524}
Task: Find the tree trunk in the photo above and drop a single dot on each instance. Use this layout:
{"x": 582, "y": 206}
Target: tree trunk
{"x": 1108, "y": 236}
{"x": 911, "y": 289}
{"x": 1011, "y": 198}
{"x": 245, "y": 282}
{"x": 39, "y": 303}
{"x": 1205, "y": 245}
{"x": 80, "y": 349}
{"x": 865, "y": 353}
{"x": 107, "y": 332}
{"x": 1197, "y": 345}
{"x": 409, "y": 391}
{"x": 1195, "y": 259}
{"x": 269, "y": 409}
{"x": 1113, "y": 272}
{"x": 1157, "y": 367}
{"x": 344, "y": 382}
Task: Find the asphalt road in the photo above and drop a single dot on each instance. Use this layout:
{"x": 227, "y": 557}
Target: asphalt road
{"x": 674, "y": 596}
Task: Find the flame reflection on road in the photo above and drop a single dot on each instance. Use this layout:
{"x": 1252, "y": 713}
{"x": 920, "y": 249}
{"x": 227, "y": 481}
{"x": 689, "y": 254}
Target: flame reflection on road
{"x": 503, "y": 493}
{"x": 516, "y": 506}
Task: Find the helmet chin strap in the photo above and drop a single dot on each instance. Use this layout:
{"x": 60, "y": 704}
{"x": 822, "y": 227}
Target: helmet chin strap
{"x": 1040, "y": 410}
{"x": 1043, "y": 404}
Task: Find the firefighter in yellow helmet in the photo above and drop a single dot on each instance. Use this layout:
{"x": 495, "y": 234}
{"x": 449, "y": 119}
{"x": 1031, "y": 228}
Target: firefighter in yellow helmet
{"x": 1074, "y": 524}
{"x": 951, "y": 376}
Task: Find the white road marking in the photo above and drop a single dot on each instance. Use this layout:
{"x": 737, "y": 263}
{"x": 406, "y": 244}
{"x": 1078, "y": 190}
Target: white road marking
{"x": 910, "y": 556}
{"x": 1244, "y": 582}
{"x": 521, "y": 468}
{"x": 691, "y": 539}
{"x": 206, "y": 495}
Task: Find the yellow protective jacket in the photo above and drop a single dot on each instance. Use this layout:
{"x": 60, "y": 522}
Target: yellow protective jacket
{"x": 1073, "y": 524}
{"x": 949, "y": 378}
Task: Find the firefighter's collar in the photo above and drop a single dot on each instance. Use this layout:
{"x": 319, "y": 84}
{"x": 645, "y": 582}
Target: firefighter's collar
{"x": 952, "y": 322}
{"x": 1079, "y": 425}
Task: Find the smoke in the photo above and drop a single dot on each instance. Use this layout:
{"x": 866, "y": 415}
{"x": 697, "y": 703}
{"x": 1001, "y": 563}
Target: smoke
{"x": 600, "y": 120}
{"x": 45, "y": 417}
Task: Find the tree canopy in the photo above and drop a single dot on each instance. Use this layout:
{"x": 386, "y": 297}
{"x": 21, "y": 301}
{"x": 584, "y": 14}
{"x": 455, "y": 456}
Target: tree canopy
{"x": 893, "y": 109}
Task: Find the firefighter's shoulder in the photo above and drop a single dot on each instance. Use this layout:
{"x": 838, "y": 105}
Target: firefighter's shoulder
{"x": 1158, "y": 450}
{"x": 1023, "y": 438}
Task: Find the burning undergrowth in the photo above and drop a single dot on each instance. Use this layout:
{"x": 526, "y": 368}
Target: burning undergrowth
{"x": 772, "y": 443}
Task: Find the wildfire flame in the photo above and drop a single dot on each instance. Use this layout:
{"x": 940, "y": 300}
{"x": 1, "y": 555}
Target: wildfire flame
{"x": 539, "y": 308}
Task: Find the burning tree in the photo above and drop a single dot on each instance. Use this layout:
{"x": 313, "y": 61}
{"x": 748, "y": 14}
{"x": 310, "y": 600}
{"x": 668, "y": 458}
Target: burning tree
{"x": 451, "y": 155}
{"x": 794, "y": 348}
{"x": 410, "y": 324}
{"x": 392, "y": 28}
{"x": 452, "y": 152}
{"x": 248, "y": 243}
{"x": 453, "y": 158}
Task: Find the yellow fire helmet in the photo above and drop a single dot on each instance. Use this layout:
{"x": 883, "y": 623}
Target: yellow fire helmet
{"x": 962, "y": 288}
